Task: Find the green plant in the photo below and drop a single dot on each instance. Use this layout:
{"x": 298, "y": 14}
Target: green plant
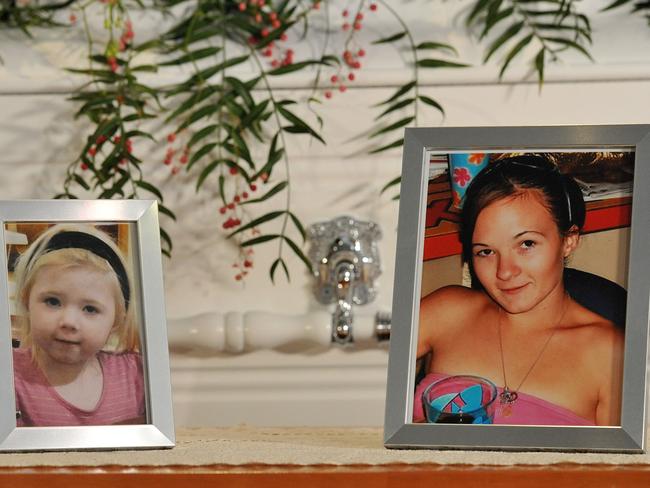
{"x": 216, "y": 123}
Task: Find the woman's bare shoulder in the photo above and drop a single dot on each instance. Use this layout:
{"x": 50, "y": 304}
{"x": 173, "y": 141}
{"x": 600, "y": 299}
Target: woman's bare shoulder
{"x": 452, "y": 304}
{"x": 597, "y": 337}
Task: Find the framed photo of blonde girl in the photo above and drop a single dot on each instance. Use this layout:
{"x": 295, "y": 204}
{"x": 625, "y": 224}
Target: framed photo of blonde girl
{"x": 84, "y": 355}
{"x": 520, "y": 312}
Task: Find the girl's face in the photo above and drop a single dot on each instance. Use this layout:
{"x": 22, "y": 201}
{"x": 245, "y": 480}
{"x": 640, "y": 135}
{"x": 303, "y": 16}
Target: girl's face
{"x": 518, "y": 252}
{"x": 71, "y": 312}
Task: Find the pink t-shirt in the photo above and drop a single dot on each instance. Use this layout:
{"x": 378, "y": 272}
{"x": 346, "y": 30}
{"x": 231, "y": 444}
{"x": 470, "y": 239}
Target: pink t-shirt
{"x": 529, "y": 409}
{"x": 121, "y": 401}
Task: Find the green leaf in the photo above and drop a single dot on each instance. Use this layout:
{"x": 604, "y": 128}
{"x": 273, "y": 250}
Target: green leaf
{"x": 276, "y": 189}
{"x": 222, "y": 193}
{"x": 397, "y": 143}
{"x": 396, "y": 125}
{"x": 193, "y": 56}
{"x": 297, "y": 121}
{"x": 615, "y": 4}
{"x": 205, "y": 132}
{"x": 80, "y": 181}
{"x": 244, "y": 152}
{"x": 148, "y": 68}
{"x": 207, "y": 171}
{"x": 164, "y": 210}
{"x": 400, "y": 91}
{"x": 202, "y": 112}
{"x": 432, "y": 102}
{"x": 494, "y": 20}
{"x": 513, "y": 52}
{"x": 478, "y": 8}
{"x": 274, "y": 267}
{"x": 242, "y": 90}
{"x": 150, "y": 188}
{"x": 258, "y": 221}
{"x": 390, "y": 184}
{"x": 200, "y": 153}
{"x": 512, "y": 31}
{"x": 569, "y": 43}
{"x": 396, "y": 106}
{"x": 259, "y": 240}
{"x": 290, "y": 68}
{"x": 298, "y": 225}
{"x": 440, "y": 46}
{"x": 166, "y": 241}
{"x": 392, "y": 38}
{"x": 539, "y": 65}
{"x": 296, "y": 249}
{"x": 205, "y": 74}
{"x": 193, "y": 100}
{"x": 439, "y": 63}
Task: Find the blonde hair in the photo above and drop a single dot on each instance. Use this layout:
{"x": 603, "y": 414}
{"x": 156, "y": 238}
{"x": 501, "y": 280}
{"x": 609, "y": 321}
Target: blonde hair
{"x": 124, "y": 336}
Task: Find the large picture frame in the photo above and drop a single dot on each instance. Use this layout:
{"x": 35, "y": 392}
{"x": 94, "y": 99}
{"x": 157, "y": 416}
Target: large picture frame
{"x": 425, "y": 157}
{"x": 136, "y": 237}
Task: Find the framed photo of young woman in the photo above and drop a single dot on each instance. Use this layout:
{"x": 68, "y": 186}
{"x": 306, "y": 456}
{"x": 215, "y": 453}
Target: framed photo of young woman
{"x": 522, "y": 279}
{"x": 84, "y": 357}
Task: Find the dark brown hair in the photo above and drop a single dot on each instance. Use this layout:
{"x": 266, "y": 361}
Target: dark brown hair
{"x": 512, "y": 176}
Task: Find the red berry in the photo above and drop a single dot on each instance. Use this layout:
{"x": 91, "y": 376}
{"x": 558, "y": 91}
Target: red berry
{"x": 253, "y": 187}
{"x": 283, "y": 37}
{"x": 334, "y": 79}
{"x": 183, "y": 159}
{"x": 84, "y": 166}
{"x": 175, "y": 170}
{"x": 345, "y": 13}
{"x": 345, "y": 26}
{"x": 351, "y": 77}
{"x": 264, "y": 32}
{"x": 328, "y": 94}
{"x": 342, "y": 88}
{"x": 273, "y": 16}
{"x": 316, "y": 5}
{"x": 237, "y": 198}
{"x": 168, "y": 160}
{"x": 248, "y": 264}
{"x": 231, "y": 205}
{"x": 116, "y": 139}
{"x": 238, "y": 277}
{"x": 275, "y": 24}
{"x": 258, "y": 18}
{"x": 359, "y": 16}
{"x": 264, "y": 177}
{"x": 73, "y": 18}
{"x": 222, "y": 210}
{"x": 233, "y": 170}
{"x": 356, "y": 65}
{"x": 242, "y": 6}
{"x": 123, "y": 161}
{"x": 357, "y": 26}
{"x": 373, "y": 6}
{"x": 92, "y": 151}
{"x": 361, "y": 53}
{"x": 244, "y": 195}
{"x": 171, "y": 137}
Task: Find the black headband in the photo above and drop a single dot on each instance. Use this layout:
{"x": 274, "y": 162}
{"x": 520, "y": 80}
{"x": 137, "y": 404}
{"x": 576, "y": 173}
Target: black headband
{"x": 82, "y": 240}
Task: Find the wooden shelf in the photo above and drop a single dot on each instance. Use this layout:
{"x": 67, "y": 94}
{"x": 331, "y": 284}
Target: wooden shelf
{"x": 258, "y": 476}
{"x": 316, "y": 457}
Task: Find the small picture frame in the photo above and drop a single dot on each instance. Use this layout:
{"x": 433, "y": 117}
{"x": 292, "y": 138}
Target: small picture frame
{"x": 84, "y": 355}
{"x": 520, "y": 312}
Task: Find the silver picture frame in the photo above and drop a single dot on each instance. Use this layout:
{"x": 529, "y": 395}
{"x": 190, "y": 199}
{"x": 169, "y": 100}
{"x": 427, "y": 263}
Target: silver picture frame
{"x": 419, "y": 145}
{"x": 157, "y": 431}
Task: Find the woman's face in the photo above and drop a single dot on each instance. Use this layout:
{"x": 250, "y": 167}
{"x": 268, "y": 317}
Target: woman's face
{"x": 518, "y": 252}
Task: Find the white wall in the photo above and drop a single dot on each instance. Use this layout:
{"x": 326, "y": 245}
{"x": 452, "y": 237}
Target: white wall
{"x": 38, "y": 137}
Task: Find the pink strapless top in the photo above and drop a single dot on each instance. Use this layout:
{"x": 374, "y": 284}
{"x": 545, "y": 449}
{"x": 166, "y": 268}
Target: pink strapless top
{"x": 529, "y": 410}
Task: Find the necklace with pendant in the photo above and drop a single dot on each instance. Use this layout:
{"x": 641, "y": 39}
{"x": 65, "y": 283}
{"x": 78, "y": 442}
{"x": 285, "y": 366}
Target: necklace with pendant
{"x": 508, "y": 397}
